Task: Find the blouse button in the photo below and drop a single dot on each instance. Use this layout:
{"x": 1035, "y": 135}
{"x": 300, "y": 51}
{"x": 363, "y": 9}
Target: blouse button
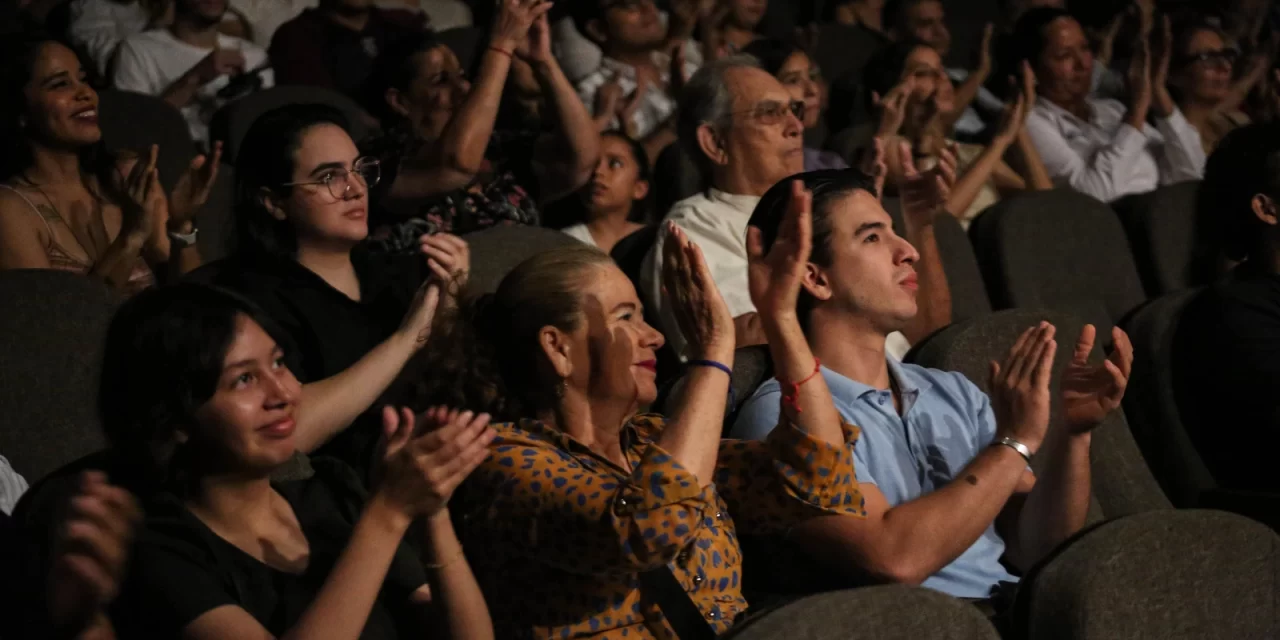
{"x": 622, "y": 502}
{"x": 697, "y": 579}
{"x": 683, "y": 557}
{"x": 719, "y": 515}
{"x": 714, "y": 614}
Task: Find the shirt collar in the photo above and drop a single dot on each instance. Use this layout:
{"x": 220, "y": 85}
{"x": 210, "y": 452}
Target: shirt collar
{"x": 909, "y": 384}
{"x": 1058, "y": 113}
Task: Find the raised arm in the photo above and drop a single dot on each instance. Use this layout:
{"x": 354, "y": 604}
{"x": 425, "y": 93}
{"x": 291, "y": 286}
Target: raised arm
{"x": 923, "y": 198}
{"x": 1182, "y": 156}
{"x": 909, "y": 542}
{"x": 564, "y": 162}
{"x": 419, "y": 475}
{"x": 775, "y": 278}
{"x": 968, "y": 90}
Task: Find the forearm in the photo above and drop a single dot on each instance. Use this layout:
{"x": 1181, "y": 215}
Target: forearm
{"x": 692, "y": 435}
{"x": 970, "y": 183}
{"x": 462, "y": 145}
{"x": 933, "y": 297}
{"x": 1059, "y": 504}
{"x": 1030, "y": 165}
{"x": 342, "y": 607}
{"x": 578, "y": 139}
{"x": 793, "y": 361}
{"x": 332, "y": 404}
{"x": 183, "y": 90}
{"x": 453, "y": 586}
{"x": 965, "y": 94}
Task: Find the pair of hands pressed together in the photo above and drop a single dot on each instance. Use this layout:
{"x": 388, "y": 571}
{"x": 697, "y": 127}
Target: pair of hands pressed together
{"x": 425, "y": 458}
{"x": 521, "y": 28}
{"x": 150, "y": 211}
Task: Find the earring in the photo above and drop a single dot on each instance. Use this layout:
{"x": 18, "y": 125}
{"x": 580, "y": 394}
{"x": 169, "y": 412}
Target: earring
{"x": 560, "y": 388}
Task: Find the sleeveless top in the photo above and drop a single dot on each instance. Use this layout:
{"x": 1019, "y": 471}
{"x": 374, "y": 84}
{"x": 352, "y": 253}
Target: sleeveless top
{"x": 62, "y": 260}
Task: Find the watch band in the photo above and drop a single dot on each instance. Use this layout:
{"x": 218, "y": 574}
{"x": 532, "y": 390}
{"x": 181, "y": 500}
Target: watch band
{"x": 1022, "y": 449}
{"x": 185, "y": 239}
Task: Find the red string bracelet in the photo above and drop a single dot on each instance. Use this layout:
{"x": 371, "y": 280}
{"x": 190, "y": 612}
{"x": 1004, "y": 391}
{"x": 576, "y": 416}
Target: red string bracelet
{"x": 791, "y": 390}
{"x": 501, "y": 50}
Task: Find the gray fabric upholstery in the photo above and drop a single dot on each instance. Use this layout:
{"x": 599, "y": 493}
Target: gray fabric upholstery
{"x": 1057, "y": 250}
{"x": 54, "y": 327}
{"x": 1166, "y": 575}
{"x": 752, "y": 366}
{"x": 892, "y": 612}
{"x": 134, "y": 121}
{"x": 217, "y": 218}
{"x": 675, "y": 177}
{"x": 1151, "y": 406}
{"x": 498, "y": 250}
{"x": 232, "y": 121}
{"x": 1162, "y": 232}
{"x": 1122, "y": 484}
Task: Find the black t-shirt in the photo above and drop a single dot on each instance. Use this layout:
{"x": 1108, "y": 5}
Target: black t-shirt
{"x": 315, "y": 51}
{"x": 330, "y": 331}
{"x": 180, "y": 569}
{"x": 1226, "y": 371}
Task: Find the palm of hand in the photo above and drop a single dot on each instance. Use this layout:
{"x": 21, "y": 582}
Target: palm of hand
{"x": 775, "y": 278}
{"x": 1089, "y": 394}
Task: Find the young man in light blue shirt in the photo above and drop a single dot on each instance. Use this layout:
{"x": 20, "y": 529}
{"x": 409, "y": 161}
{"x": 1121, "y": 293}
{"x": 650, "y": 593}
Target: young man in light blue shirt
{"x": 940, "y": 463}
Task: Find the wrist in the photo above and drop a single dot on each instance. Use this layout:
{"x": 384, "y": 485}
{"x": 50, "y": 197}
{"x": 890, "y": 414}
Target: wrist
{"x": 1033, "y": 443}
{"x": 720, "y": 353}
{"x": 504, "y": 44}
{"x": 387, "y": 516}
{"x": 180, "y": 226}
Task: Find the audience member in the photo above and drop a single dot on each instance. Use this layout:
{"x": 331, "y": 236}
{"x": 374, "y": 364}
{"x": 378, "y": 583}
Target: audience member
{"x": 742, "y": 18}
{"x": 867, "y": 13}
{"x": 1225, "y": 351}
{"x": 196, "y": 393}
{"x": 334, "y": 45}
{"x": 926, "y": 21}
{"x": 918, "y": 95}
{"x": 99, "y": 26}
{"x": 791, "y": 65}
{"x": 614, "y": 201}
{"x": 579, "y": 485}
{"x": 452, "y": 166}
{"x": 441, "y": 15}
{"x": 191, "y": 65}
{"x": 578, "y": 55}
{"x": 743, "y": 129}
{"x": 264, "y": 17}
{"x": 1202, "y": 81}
{"x": 1096, "y": 146}
{"x": 632, "y": 36}
{"x": 939, "y": 461}
{"x": 68, "y": 204}
{"x": 354, "y": 318}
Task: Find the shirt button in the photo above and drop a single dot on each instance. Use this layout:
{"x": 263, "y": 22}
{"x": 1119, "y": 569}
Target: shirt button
{"x": 622, "y": 502}
{"x": 714, "y": 614}
{"x": 719, "y": 515}
{"x": 683, "y": 557}
{"x": 697, "y": 579}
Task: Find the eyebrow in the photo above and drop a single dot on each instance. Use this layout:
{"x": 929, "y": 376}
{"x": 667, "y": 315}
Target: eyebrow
{"x": 867, "y": 226}
{"x": 625, "y": 305}
{"x": 55, "y": 76}
{"x": 247, "y": 362}
{"x": 327, "y": 166}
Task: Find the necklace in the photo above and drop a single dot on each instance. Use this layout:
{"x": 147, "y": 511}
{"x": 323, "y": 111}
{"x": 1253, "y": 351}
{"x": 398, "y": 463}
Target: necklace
{"x": 92, "y": 240}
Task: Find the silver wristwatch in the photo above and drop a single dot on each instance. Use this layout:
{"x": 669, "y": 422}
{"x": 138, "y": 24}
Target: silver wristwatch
{"x": 185, "y": 240}
{"x": 1022, "y": 449}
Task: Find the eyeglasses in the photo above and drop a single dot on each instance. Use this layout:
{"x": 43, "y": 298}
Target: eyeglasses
{"x": 338, "y": 180}
{"x": 1228, "y": 56}
{"x": 771, "y": 112}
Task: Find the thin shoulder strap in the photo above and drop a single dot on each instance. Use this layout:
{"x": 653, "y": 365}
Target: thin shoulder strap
{"x": 34, "y": 209}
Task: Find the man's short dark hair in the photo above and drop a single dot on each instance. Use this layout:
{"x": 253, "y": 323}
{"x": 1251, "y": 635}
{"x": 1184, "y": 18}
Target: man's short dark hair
{"x": 894, "y": 14}
{"x": 1245, "y": 164}
{"x": 1029, "y": 39}
{"x": 827, "y": 186}
{"x": 583, "y": 12}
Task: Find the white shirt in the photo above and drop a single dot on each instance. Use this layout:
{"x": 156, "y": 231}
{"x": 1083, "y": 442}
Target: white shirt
{"x": 1109, "y": 159}
{"x": 265, "y": 16}
{"x": 99, "y": 26}
{"x": 717, "y": 222}
{"x": 971, "y": 121}
{"x": 577, "y": 55}
{"x": 581, "y": 233}
{"x": 657, "y": 105}
{"x": 152, "y": 61}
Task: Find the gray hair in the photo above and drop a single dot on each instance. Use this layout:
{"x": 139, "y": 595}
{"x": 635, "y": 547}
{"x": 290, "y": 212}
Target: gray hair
{"x": 706, "y": 100}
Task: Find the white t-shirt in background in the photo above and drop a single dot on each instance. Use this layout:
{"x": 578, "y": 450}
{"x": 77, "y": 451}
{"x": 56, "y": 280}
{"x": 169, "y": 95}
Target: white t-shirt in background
{"x": 99, "y": 26}
{"x": 152, "y": 61}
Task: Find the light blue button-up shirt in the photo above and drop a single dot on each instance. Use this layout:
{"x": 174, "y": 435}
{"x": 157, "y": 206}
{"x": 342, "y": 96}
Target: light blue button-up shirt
{"x": 945, "y": 422}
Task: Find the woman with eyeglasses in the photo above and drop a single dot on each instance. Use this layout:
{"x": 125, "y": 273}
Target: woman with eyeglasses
{"x": 909, "y": 86}
{"x": 1203, "y": 81}
{"x": 791, "y": 65}
{"x": 462, "y": 156}
{"x": 354, "y": 318}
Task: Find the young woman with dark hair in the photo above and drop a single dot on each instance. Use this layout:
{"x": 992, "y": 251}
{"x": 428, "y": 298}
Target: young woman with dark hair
{"x": 68, "y": 204}
{"x": 195, "y": 392}
{"x": 355, "y": 318}
{"x": 583, "y": 492}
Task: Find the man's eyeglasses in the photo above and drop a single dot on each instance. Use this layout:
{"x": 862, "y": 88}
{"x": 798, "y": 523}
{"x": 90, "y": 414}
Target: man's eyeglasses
{"x": 338, "y": 179}
{"x": 771, "y": 112}
{"x": 1227, "y": 56}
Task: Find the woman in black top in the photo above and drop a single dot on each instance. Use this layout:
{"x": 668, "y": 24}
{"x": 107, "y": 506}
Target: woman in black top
{"x": 196, "y": 393}
{"x": 353, "y": 318}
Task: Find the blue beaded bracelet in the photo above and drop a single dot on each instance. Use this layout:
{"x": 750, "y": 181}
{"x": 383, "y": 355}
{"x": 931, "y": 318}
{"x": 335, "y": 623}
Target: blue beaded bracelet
{"x": 723, "y": 367}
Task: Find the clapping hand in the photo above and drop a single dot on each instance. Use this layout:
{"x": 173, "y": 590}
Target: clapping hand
{"x": 690, "y": 289}
{"x": 192, "y": 190}
{"x": 424, "y": 459}
{"x": 776, "y": 276}
{"x": 448, "y": 259}
{"x": 893, "y": 107}
{"x": 1020, "y": 387}
{"x": 1089, "y": 392}
{"x": 924, "y": 195}
{"x": 148, "y": 209}
{"x": 513, "y": 21}
{"x": 873, "y": 165}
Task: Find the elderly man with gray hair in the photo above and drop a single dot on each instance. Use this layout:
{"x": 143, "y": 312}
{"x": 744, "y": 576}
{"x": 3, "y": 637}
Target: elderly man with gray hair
{"x": 745, "y": 132}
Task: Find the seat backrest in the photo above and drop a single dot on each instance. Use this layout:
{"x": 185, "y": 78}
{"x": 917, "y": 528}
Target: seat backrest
{"x": 964, "y": 278}
{"x": 630, "y": 251}
{"x": 1151, "y": 405}
{"x": 1057, "y": 250}
{"x": 54, "y": 327}
{"x": 497, "y": 250}
{"x": 233, "y": 120}
{"x": 752, "y": 367}
{"x": 1162, "y": 232}
{"x": 890, "y": 612}
{"x": 134, "y": 121}
{"x": 1122, "y": 483}
{"x": 217, "y": 219}
{"x": 675, "y": 177}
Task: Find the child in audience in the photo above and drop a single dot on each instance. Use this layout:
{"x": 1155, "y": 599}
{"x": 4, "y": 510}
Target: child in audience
{"x": 791, "y": 65}
{"x": 354, "y": 318}
{"x": 917, "y": 98}
{"x": 196, "y": 394}
{"x": 448, "y": 168}
{"x": 68, "y": 204}
{"x": 583, "y": 505}
{"x": 616, "y": 198}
